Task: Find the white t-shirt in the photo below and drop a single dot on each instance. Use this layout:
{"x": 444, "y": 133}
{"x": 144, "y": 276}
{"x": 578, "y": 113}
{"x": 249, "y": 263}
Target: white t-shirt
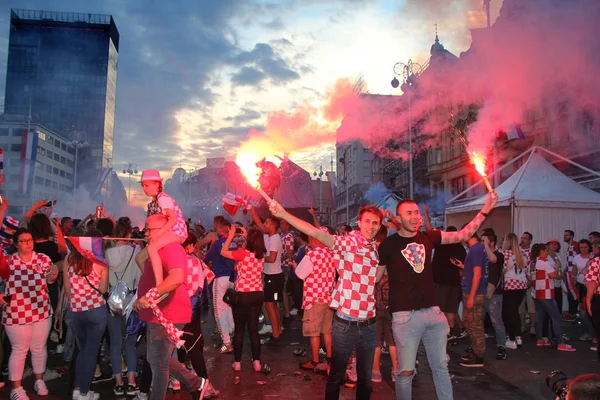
{"x": 121, "y": 261}
{"x": 273, "y": 243}
{"x": 581, "y": 264}
{"x": 553, "y": 265}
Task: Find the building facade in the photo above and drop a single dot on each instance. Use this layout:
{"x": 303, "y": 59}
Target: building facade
{"x": 54, "y": 162}
{"x": 62, "y": 70}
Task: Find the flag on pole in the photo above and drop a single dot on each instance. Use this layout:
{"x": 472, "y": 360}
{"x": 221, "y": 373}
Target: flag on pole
{"x": 8, "y": 229}
{"x": 89, "y": 247}
{"x": 514, "y": 132}
{"x": 232, "y": 203}
{"x": 101, "y": 179}
{"x": 29, "y": 144}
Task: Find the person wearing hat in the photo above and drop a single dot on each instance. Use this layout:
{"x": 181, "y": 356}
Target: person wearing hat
{"x": 174, "y": 231}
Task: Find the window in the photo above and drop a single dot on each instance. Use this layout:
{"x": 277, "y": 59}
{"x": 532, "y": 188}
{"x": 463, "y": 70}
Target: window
{"x": 39, "y": 180}
{"x": 69, "y": 176}
{"x": 63, "y": 160}
{"x": 50, "y": 140}
{"x": 41, "y": 135}
{"x": 15, "y": 147}
{"x": 54, "y": 185}
{"x": 49, "y": 154}
{"x": 63, "y": 147}
{"x": 39, "y": 165}
{"x": 49, "y": 169}
{"x": 41, "y": 151}
{"x": 57, "y": 143}
{"x": 4, "y": 131}
{"x": 47, "y": 183}
{"x": 62, "y": 173}
{"x": 56, "y": 157}
{"x": 69, "y": 163}
{"x": 55, "y": 171}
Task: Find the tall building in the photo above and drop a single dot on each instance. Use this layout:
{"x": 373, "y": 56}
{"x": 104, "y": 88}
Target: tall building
{"x": 62, "y": 70}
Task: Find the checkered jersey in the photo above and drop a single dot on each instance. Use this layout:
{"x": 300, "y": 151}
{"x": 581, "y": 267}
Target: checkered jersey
{"x": 195, "y": 275}
{"x": 83, "y": 296}
{"x": 572, "y": 251}
{"x": 514, "y": 278}
{"x": 249, "y": 269}
{"x": 27, "y": 285}
{"x": 288, "y": 247}
{"x": 163, "y": 202}
{"x": 544, "y": 285}
{"x": 527, "y": 260}
{"x": 318, "y": 286}
{"x": 354, "y": 294}
{"x": 593, "y": 274}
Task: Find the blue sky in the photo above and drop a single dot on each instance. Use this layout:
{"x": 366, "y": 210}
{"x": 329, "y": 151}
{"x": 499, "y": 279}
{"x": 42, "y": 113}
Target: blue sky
{"x": 195, "y": 76}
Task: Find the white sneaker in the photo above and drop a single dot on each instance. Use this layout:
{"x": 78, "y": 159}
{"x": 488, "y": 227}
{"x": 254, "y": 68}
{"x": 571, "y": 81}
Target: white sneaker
{"x": 75, "y": 394}
{"x": 519, "y": 341}
{"x": 265, "y": 330}
{"x": 237, "y": 366}
{"x": 511, "y": 344}
{"x": 60, "y": 348}
{"x": 141, "y": 396}
{"x": 89, "y": 396}
{"x": 40, "y": 387}
{"x": 54, "y": 337}
{"x": 18, "y": 394}
{"x": 256, "y": 365}
{"x": 174, "y": 384}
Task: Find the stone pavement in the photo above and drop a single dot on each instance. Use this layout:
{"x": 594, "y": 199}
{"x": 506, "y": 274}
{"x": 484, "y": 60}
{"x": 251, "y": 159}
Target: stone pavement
{"x": 513, "y": 378}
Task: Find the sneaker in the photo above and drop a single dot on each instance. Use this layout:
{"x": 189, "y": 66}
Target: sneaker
{"x": 40, "y": 387}
{"x": 141, "y": 396}
{"x": 594, "y": 347}
{"x": 473, "y": 362}
{"x": 54, "y": 336}
{"x": 75, "y": 394}
{"x": 132, "y": 390}
{"x": 174, "y": 384}
{"x": 18, "y": 394}
{"x": 199, "y": 394}
{"x": 266, "y": 329}
{"x": 511, "y": 344}
{"x": 322, "y": 368}
{"x": 236, "y": 366}
{"x": 119, "y": 390}
{"x": 256, "y": 366}
{"x": 451, "y": 336}
{"x": 60, "y": 348}
{"x": 467, "y": 354}
{"x": 300, "y": 352}
{"x": 101, "y": 378}
{"x": 376, "y": 377}
{"x": 519, "y": 341}
{"x": 89, "y": 396}
{"x": 543, "y": 343}
{"x": 294, "y": 311}
{"x": 226, "y": 348}
{"x": 488, "y": 336}
{"x": 501, "y": 355}
{"x": 211, "y": 392}
{"x": 566, "y": 347}
{"x": 462, "y": 333}
{"x": 565, "y": 337}
{"x": 586, "y": 337}
{"x": 310, "y": 365}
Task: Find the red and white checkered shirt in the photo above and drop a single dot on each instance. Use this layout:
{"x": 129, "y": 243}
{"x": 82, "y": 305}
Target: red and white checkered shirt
{"x": 287, "y": 239}
{"x": 514, "y": 278}
{"x": 249, "y": 270}
{"x": 83, "y": 296}
{"x": 318, "y": 286}
{"x": 527, "y": 260}
{"x": 572, "y": 251}
{"x": 593, "y": 274}
{"x": 354, "y": 294}
{"x": 195, "y": 275}
{"x": 163, "y": 202}
{"x": 544, "y": 285}
{"x": 27, "y": 285}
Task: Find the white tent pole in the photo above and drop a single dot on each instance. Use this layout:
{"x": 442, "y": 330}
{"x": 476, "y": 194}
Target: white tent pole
{"x": 493, "y": 174}
{"x": 570, "y": 161}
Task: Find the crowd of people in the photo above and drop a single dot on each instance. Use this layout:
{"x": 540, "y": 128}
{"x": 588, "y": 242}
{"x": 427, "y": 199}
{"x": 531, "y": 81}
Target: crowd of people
{"x": 387, "y": 286}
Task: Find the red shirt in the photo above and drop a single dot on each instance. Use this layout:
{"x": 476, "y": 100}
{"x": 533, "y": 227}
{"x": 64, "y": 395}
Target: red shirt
{"x": 177, "y": 306}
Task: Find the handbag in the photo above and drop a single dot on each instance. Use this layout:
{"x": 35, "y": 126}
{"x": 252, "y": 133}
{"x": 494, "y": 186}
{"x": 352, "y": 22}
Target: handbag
{"x": 120, "y": 297}
{"x": 230, "y": 297}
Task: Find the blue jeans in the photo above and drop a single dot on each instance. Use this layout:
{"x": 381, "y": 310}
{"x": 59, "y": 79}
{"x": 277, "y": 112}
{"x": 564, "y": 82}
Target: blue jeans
{"x": 346, "y": 337}
{"x": 493, "y": 307}
{"x": 159, "y": 355}
{"x": 410, "y": 327}
{"x": 88, "y": 327}
{"x": 116, "y": 332}
{"x": 550, "y": 308}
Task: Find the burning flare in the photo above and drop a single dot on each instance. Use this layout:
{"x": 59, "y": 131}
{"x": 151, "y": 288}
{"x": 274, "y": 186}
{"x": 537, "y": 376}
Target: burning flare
{"x": 479, "y": 163}
{"x": 249, "y": 154}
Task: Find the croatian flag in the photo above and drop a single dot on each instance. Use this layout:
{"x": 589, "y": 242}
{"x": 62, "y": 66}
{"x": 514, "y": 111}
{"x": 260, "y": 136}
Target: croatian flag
{"x": 514, "y": 132}
{"x": 29, "y": 144}
{"x": 8, "y": 229}
{"x": 232, "y": 203}
{"x": 89, "y": 247}
{"x": 101, "y": 179}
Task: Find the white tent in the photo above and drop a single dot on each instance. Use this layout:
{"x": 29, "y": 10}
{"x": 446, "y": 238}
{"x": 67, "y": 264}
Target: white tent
{"x": 538, "y": 199}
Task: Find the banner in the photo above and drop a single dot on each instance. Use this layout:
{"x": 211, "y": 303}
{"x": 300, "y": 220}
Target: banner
{"x": 29, "y": 145}
{"x": 101, "y": 179}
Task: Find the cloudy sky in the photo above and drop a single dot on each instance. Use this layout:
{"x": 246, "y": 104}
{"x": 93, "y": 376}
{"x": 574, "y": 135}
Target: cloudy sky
{"x": 195, "y": 75}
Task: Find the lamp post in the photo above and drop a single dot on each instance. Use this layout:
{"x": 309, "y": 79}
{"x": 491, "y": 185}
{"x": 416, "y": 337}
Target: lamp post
{"x": 408, "y": 72}
{"x": 319, "y": 176}
{"x": 79, "y": 141}
{"x": 129, "y": 168}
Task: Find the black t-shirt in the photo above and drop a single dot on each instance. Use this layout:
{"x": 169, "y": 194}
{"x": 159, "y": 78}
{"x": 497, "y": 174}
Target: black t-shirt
{"x": 48, "y": 248}
{"x": 444, "y": 272}
{"x": 408, "y": 262}
{"x": 496, "y": 276}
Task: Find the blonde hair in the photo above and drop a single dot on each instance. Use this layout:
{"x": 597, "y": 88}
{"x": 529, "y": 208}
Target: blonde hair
{"x": 511, "y": 242}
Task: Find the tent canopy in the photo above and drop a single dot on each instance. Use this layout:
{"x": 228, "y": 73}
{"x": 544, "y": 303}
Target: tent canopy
{"x": 537, "y": 183}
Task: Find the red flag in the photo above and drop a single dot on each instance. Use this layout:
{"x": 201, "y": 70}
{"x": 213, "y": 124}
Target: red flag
{"x": 232, "y": 203}
{"x": 89, "y": 247}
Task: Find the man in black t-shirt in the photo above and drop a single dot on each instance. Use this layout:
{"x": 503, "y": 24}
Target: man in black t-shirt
{"x": 406, "y": 256}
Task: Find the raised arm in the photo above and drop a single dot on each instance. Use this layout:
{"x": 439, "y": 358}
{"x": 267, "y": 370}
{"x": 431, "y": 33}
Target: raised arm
{"x": 311, "y": 211}
{"x": 257, "y": 220}
{"x": 427, "y": 220}
{"x": 468, "y": 231}
{"x": 278, "y": 211}
{"x": 225, "y": 252}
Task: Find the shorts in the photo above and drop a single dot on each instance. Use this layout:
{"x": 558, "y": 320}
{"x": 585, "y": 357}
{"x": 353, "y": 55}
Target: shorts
{"x": 528, "y": 304}
{"x": 448, "y": 297}
{"x": 383, "y": 326}
{"x": 273, "y": 287}
{"x": 316, "y": 320}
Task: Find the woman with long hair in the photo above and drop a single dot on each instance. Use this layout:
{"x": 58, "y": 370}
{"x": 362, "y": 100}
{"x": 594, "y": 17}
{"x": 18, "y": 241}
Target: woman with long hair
{"x": 85, "y": 282}
{"x": 515, "y": 287}
{"x": 543, "y": 285}
{"x": 593, "y": 291}
{"x": 581, "y": 264}
{"x": 27, "y": 312}
{"x": 248, "y": 291}
{"x": 121, "y": 262}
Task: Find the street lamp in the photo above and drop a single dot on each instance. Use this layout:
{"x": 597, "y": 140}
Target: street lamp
{"x": 129, "y": 168}
{"x": 409, "y": 72}
{"x": 78, "y": 142}
{"x": 319, "y": 176}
